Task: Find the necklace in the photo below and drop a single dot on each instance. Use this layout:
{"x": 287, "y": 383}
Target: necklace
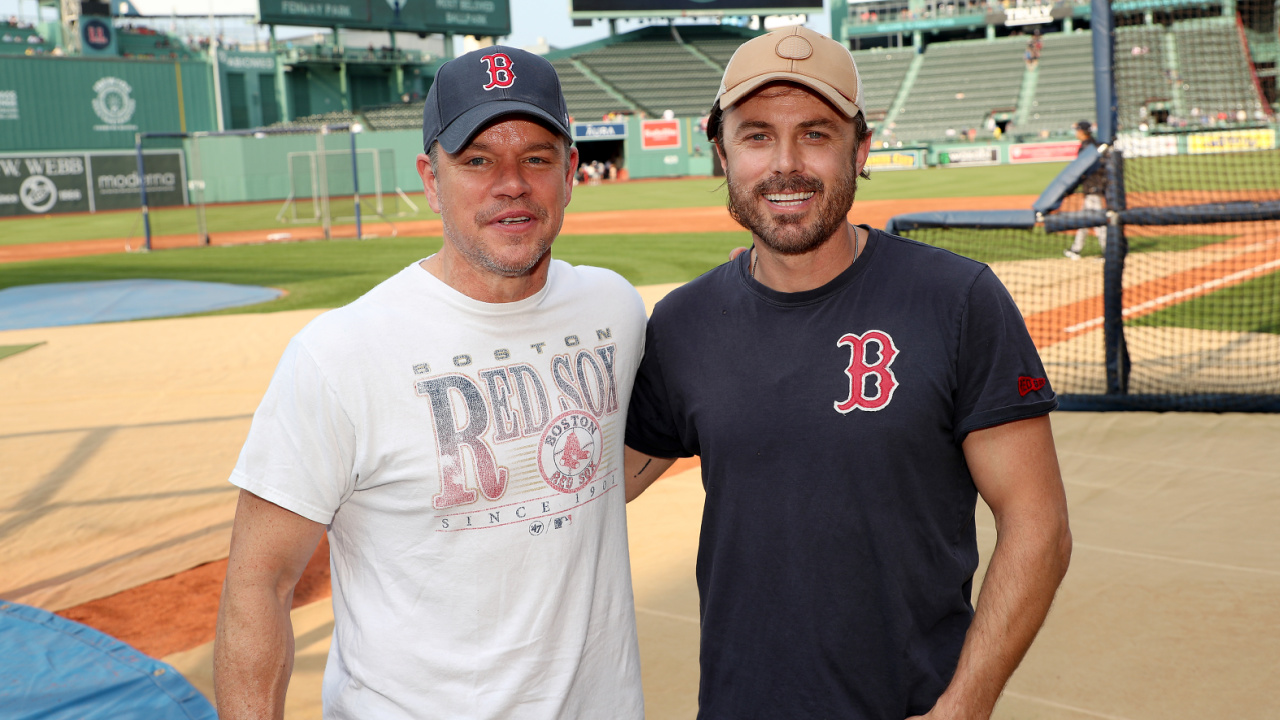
{"x": 857, "y": 248}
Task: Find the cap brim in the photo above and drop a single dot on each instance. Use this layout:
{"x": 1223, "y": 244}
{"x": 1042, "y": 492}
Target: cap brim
{"x": 742, "y": 89}
{"x": 471, "y": 122}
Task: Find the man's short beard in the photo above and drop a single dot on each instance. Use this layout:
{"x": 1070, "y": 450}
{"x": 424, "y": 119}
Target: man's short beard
{"x": 788, "y": 234}
{"x": 478, "y": 256}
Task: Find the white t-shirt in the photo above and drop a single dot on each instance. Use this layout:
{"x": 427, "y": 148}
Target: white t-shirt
{"x": 467, "y": 458}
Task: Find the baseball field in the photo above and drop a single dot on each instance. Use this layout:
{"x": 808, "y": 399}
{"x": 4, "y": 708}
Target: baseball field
{"x": 117, "y": 440}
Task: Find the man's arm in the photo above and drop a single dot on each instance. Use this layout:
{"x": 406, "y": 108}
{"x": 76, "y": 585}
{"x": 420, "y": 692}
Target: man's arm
{"x": 253, "y": 651}
{"x": 1015, "y": 468}
{"x": 641, "y": 470}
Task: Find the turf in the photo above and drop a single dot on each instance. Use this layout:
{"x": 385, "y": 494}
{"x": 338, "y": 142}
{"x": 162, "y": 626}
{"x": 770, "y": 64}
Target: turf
{"x": 1003, "y": 245}
{"x": 1225, "y": 171}
{"x": 640, "y": 195}
{"x": 329, "y": 274}
{"x": 10, "y": 350}
{"x": 1248, "y": 307}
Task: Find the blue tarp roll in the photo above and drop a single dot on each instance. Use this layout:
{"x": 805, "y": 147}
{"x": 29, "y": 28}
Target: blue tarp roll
{"x": 52, "y": 668}
{"x": 1067, "y": 180}
{"x": 1019, "y": 219}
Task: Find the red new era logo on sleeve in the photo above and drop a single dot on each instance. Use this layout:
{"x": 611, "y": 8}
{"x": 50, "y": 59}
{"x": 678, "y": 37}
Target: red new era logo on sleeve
{"x": 1029, "y": 384}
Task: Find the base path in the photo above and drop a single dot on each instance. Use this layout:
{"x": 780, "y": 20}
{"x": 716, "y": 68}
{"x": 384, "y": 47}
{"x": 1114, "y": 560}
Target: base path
{"x": 609, "y": 222}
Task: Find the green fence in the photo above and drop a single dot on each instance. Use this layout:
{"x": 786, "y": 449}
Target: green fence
{"x": 56, "y": 103}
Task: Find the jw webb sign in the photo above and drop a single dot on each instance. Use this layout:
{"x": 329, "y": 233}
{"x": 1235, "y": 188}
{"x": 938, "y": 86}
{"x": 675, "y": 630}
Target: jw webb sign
{"x": 87, "y": 182}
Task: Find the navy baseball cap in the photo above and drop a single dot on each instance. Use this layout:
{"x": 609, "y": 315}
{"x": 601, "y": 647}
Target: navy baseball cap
{"x": 473, "y": 90}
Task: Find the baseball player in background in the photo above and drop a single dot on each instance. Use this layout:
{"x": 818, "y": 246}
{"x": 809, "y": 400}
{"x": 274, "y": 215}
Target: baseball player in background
{"x": 458, "y": 433}
{"x": 851, "y": 393}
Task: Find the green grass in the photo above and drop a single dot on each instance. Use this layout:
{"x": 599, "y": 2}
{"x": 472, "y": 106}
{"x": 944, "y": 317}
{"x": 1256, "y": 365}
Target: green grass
{"x": 10, "y": 350}
{"x": 1225, "y": 171}
{"x": 1252, "y": 306}
{"x": 329, "y": 274}
{"x": 641, "y": 195}
{"x": 991, "y": 246}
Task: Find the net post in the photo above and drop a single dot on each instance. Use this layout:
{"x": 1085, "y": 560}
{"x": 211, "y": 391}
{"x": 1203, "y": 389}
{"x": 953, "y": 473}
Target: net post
{"x": 323, "y": 178}
{"x": 1117, "y": 248}
{"x": 355, "y": 177}
{"x": 1103, "y": 27}
{"x": 142, "y": 189}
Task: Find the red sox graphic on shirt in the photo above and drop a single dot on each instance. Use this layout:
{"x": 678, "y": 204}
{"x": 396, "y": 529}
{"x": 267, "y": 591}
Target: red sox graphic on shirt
{"x": 537, "y": 411}
{"x": 861, "y": 369}
{"x": 499, "y": 67}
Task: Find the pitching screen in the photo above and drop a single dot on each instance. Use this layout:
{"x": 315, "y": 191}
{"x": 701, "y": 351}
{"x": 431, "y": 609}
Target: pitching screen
{"x": 668, "y": 8}
{"x": 459, "y": 17}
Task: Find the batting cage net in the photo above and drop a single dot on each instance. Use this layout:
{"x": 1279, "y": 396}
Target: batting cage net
{"x": 1149, "y": 272}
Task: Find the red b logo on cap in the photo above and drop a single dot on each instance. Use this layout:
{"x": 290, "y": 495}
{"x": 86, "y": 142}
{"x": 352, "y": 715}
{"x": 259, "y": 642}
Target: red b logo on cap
{"x": 498, "y": 65}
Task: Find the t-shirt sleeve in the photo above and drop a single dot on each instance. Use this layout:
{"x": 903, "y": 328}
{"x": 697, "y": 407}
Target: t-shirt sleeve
{"x": 999, "y": 372}
{"x": 301, "y": 445}
{"x": 652, "y": 427}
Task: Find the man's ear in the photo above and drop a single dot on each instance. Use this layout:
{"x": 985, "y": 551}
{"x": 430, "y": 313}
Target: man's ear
{"x": 720, "y": 152}
{"x": 570, "y": 171}
{"x": 430, "y": 185}
{"x": 864, "y": 151}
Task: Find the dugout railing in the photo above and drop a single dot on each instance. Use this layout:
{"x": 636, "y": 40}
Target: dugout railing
{"x": 1179, "y": 308}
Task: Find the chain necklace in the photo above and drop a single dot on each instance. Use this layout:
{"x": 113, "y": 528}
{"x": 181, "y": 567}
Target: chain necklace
{"x": 857, "y": 248}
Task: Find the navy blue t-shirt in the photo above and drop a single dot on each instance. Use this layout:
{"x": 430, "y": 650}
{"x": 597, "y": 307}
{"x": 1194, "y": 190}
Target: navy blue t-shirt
{"x": 838, "y": 542}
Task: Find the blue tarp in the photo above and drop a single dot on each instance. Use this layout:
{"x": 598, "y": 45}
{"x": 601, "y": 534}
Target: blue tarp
{"x": 52, "y": 668}
{"x": 1067, "y": 180}
{"x": 1019, "y": 219}
{"x": 52, "y": 304}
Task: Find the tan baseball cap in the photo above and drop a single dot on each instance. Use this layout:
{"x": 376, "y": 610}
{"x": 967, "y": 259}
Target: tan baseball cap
{"x": 796, "y": 54}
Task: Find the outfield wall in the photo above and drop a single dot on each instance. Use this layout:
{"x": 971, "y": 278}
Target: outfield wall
{"x": 57, "y": 103}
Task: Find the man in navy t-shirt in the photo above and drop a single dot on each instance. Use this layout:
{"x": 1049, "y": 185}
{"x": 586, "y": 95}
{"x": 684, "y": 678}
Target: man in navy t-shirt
{"x": 851, "y": 393}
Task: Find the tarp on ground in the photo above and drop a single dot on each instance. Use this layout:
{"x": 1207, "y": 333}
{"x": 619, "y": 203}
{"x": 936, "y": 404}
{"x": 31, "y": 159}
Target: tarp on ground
{"x": 57, "y": 669}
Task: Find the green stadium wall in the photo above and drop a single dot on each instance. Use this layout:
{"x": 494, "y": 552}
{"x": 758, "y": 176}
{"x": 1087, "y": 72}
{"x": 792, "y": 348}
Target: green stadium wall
{"x": 96, "y": 104}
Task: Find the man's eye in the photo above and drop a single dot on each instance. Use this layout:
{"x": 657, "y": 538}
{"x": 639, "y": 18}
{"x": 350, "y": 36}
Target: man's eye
{"x": 759, "y": 137}
{"x": 814, "y": 135}
{"x": 475, "y": 161}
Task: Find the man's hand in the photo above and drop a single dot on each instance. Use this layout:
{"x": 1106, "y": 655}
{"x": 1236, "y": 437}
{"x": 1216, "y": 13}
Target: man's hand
{"x": 253, "y": 651}
{"x": 1015, "y": 468}
{"x": 641, "y": 470}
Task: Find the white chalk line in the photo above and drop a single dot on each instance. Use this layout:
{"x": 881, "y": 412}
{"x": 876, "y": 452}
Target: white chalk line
{"x": 1183, "y": 294}
{"x": 1163, "y": 558}
{"x": 667, "y": 615}
{"x": 1063, "y": 706}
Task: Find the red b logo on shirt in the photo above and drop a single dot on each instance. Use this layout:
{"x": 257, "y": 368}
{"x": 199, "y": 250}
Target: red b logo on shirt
{"x": 859, "y": 368}
{"x": 498, "y": 65}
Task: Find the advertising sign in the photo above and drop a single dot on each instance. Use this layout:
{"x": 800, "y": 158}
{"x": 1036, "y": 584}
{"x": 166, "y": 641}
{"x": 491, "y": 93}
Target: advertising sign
{"x": 599, "y": 131}
{"x": 459, "y": 17}
{"x": 46, "y": 183}
{"x": 895, "y": 160}
{"x": 667, "y": 8}
{"x": 1043, "y": 152}
{"x": 1231, "y": 141}
{"x": 963, "y": 157}
{"x": 659, "y": 134}
{"x": 8, "y": 104}
{"x": 115, "y": 180}
{"x": 1135, "y": 145}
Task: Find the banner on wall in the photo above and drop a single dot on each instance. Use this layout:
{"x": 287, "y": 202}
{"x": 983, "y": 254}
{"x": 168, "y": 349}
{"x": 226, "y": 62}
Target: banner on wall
{"x": 895, "y": 160}
{"x": 659, "y": 134}
{"x": 1043, "y": 152}
{"x": 1135, "y": 145}
{"x": 599, "y": 131}
{"x": 1231, "y": 141}
{"x": 961, "y": 157}
{"x": 44, "y": 183}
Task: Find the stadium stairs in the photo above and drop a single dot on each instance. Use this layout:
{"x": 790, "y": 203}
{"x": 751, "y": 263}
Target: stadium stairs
{"x": 959, "y": 85}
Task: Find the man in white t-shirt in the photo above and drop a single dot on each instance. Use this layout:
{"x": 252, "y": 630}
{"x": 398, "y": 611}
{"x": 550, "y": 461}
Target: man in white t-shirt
{"x": 458, "y": 431}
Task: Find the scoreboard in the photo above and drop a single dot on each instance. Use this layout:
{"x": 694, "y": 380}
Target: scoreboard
{"x": 458, "y": 17}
